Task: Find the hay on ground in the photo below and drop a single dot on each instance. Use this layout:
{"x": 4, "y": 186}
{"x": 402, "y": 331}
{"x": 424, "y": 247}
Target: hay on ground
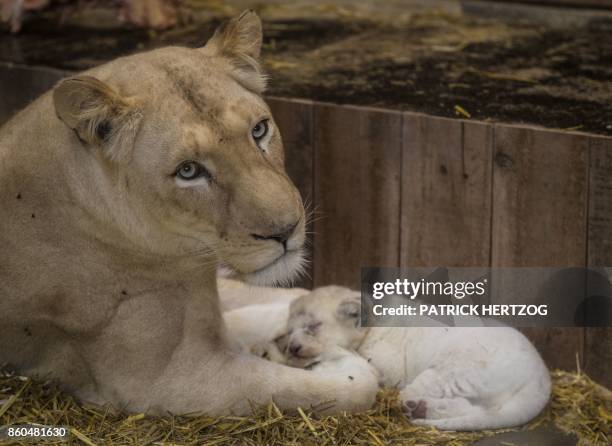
{"x": 578, "y": 406}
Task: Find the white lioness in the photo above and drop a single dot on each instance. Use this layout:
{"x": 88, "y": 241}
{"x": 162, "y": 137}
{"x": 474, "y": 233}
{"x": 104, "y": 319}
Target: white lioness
{"x": 460, "y": 378}
{"x": 121, "y": 193}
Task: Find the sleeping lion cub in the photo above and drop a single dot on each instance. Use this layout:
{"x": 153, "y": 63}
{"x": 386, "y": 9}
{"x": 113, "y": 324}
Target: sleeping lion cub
{"x": 461, "y": 378}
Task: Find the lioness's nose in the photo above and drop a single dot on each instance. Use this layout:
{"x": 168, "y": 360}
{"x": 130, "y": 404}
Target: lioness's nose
{"x": 280, "y": 237}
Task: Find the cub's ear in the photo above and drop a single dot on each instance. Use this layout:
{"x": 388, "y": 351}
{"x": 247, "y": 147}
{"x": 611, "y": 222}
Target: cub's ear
{"x": 239, "y": 39}
{"x": 298, "y": 306}
{"x": 98, "y": 115}
{"x": 349, "y": 310}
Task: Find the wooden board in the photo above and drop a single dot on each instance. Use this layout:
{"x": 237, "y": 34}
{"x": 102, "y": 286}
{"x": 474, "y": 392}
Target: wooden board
{"x": 294, "y": 118}
{"x": 446, "y": 192}
{"x": 539, "y": 215}
{"x": 357, "y": 192}
{"x": 598, "y": 341}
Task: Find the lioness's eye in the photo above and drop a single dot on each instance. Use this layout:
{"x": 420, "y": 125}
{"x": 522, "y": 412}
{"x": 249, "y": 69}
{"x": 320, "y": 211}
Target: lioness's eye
{"x": 260, "y": 130}
{"x": 190, "y": 170}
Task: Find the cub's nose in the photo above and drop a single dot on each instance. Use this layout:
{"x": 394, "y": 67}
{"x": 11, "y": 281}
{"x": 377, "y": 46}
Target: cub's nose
{"x": 294, "y": 349}
{"x": 280, "y": 237}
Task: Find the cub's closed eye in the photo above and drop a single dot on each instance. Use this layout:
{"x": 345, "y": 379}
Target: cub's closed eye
{"x": 191, "y": 170}
{"x": 312, "y": 327}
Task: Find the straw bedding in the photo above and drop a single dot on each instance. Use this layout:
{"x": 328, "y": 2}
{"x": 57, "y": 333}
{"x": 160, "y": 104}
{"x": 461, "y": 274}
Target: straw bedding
{"x": 578, "y": 405}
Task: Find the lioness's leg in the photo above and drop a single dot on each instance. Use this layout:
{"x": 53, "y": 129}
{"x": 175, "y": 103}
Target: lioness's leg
{"x": 230, "y": 381}
{"x": 168, "y": 352}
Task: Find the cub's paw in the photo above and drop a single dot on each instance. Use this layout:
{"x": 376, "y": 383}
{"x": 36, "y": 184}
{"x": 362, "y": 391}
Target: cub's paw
{"x": 415, "y": 409}
{"x": 439, "y": 411}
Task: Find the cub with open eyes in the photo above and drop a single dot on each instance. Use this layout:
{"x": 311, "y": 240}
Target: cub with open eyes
{"x": 455, "y": 378}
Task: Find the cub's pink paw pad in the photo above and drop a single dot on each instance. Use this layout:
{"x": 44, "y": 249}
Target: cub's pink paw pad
{"x": 415, "y": 409}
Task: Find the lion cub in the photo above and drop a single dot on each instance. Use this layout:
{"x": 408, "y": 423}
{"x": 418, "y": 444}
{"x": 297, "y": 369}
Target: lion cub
{"x": 454, "y": 378}
{"x": 260, "y": 326}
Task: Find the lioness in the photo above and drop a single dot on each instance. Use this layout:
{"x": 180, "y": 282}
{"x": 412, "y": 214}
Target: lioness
{"x": 122, "y": 191}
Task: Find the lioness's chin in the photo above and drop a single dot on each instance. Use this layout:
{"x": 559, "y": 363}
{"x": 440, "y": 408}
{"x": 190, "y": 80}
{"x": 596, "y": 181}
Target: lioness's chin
{"x": 281, "y": 271}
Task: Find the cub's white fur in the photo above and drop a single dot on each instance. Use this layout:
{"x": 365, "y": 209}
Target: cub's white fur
{"x": 235, "y": 294}
{"x": 255, "y": 316}
{"x": 459, "y": 378}
{"x": 257, "y": 329}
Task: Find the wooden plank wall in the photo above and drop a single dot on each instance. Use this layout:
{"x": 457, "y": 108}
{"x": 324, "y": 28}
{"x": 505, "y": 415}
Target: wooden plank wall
{"x": 539, "y": 215}
{"x": 357, "y": 161}
{"x": 407, "y": 189}
{"x": 446, "y": 192}
{"x": 598, "y": 341}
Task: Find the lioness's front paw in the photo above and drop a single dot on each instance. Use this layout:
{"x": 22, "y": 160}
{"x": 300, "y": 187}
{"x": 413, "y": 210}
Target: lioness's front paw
{"x": 269, "y": 351}
{"x": 360, "y": 377}
{"x": 338, "y": 359}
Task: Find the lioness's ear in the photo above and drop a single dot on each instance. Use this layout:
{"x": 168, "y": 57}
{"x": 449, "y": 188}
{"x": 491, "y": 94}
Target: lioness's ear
{"x": 240, "y": 36}
{"x": 239, "y": 39}
{"x": 97, "y": 114}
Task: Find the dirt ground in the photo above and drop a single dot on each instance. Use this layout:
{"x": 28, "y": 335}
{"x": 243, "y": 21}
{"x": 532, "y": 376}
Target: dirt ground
{"x": 435, "y": 61}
